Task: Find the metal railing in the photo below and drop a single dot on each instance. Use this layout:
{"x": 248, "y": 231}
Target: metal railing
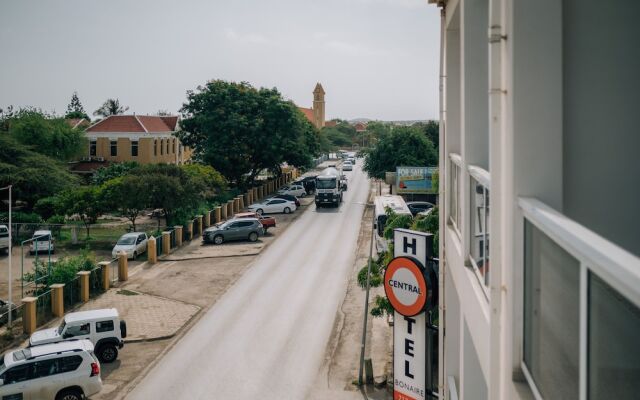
{"x": 44, "y": 312}
{"x": 71, "y": 293}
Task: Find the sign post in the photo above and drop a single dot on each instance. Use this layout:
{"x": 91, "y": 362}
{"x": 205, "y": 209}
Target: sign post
{"x": 410, "y": 287}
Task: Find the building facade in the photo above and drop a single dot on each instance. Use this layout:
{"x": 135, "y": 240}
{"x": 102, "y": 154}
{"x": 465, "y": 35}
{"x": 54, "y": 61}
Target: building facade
{"x": 316, "y": 115}
{"x": 539, "y": 240}
{"x": 144, "y": 139}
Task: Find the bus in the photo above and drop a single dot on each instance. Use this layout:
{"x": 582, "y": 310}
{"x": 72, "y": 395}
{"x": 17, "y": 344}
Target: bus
{"x": 396, "y": 204}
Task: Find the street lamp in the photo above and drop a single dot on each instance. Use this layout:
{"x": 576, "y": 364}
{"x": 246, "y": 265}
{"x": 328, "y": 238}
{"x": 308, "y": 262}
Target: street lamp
{"x": 10, "y": 300}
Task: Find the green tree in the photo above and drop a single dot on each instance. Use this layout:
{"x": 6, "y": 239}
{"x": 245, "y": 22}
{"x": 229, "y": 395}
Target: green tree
{"x": 85, "y": 201}
{"x": 429, "y": 223}
{"x": 404, "y": 146}
{"x": 75, "y": 109}
{"x": 46, "y": 135}
{"x": 112, "y": 171}
{"x": 431, "y": 129}
{"x": 240, "y": 130}
{"x": 110, "y": 107}
{"x": 33, "y": 175}
{"x": 129, "y": 194}
{"x": 336, "y": 137}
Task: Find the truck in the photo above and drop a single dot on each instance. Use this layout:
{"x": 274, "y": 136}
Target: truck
{"x": 329, "y": 187}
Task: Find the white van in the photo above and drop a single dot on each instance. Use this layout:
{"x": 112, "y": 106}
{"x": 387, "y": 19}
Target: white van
{"x": 4, "y": 238}
{"x": 42, "y": 241}
{"x": 396, "y": 204}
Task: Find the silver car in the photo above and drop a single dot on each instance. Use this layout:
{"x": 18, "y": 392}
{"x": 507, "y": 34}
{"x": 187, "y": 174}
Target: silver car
{"x": 236, "y": 229}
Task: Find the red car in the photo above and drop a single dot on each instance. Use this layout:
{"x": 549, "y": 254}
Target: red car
{"x": 267, "y": 222}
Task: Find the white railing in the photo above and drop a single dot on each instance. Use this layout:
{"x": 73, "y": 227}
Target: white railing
{"x": 455, "y": 180}
{"x": 452, "y": 390}
{"x": 604, "y": 336}
{"x": 479, "y": 223}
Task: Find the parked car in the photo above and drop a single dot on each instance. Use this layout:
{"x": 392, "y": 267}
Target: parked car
{"x": 347, "y": 166}
{"x": 273, "y": 205}
{"x": 103, "y": 328}
{"x": 266, "y": 221}
{"x": 61, "y": 371}
{"x": 352, "y": 160}
{"x": 294, "y": 190}
{"x": 4, "y": 239}
{"x": 288, "y": 197}
{"x": 134, "y": 244}
{"x": 419, "y": 206}
{"x": 42, "y": 241}
{"x": 235, "y": 229}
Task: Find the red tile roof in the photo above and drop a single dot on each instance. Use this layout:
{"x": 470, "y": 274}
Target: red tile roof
{"x": 135, "y": 123}
{"x": 360, "y": 127}
{"x": 308, "y": 112}
{"x": 330, "y": 124}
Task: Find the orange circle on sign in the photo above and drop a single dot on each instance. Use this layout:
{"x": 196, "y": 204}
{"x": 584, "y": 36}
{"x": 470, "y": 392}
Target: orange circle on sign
{"x": 405, "y": 263}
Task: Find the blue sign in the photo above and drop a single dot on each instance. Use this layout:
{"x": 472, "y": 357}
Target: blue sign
{"x": 415, "y": 179}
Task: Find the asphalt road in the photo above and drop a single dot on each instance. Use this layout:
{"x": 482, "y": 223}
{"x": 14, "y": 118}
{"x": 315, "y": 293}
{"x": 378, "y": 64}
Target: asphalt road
{"x": 266, "y": 337}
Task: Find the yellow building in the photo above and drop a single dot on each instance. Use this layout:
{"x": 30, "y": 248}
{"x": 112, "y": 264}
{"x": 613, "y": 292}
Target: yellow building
{"x": 142, "y": 138}
{"x": 316, "y": 114}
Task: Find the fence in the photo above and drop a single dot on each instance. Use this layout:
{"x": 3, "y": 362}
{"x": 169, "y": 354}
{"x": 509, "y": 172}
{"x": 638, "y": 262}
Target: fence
{"x": 44, "y": 312}
{"x": 71, "y": 293}
{"x": 15, "y": 309}
{"x": 95, "y": 282}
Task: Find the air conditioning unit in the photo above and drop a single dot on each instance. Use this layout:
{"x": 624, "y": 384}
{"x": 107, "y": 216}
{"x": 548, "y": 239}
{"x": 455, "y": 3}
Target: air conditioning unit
{"x": 98, "y": 158}
{"x": 85, "y": 159}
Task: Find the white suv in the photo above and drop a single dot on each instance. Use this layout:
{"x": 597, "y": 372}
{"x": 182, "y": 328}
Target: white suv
{"x": 102, "y": 327}
{"x": 60, "y": 371}
{"x": 4, "y": 238}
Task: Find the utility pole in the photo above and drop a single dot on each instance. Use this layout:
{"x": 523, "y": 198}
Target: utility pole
{"x": 10, "y": 301}
{"x": 366, "y": 310}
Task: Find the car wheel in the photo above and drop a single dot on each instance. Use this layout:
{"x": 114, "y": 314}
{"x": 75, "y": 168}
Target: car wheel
{"x": 218, "y": 239}
{"x": 107, "y": 353}
{"x": 287, "y": 210}
{"x": 71, "y": 394}
{"x": 253, "y": 237}
{"x": 259, "y": 211}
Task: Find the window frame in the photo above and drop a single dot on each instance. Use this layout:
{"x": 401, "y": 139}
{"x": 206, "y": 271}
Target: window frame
{"x": 93, "y": 148}
{"x": 455, "y": 189}
{"x": 113, "y": 148}
{"x": 483, "y": 178}
{"x": 134, "y": 145}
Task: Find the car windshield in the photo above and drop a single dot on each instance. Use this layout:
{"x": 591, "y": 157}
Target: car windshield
{"x": 326, "y": 183}
{"x": 61, "y": 327}
{"x": 40, "y": 237}
{"x": 125, "y": 240}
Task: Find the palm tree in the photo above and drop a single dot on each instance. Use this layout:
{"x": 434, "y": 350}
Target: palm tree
{"x": 110, "y": 107}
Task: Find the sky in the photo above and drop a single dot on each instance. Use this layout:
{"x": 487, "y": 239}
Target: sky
{"x": 376, "y": 59}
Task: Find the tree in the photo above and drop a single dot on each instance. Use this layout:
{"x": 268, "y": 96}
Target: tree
{"x": 128, "y": 194}
{"x": 85, "y": 201}
{"x": 336, "y": 137}
{"x": 404, "y": 146}
{"x": 33, "y": 175}
{"x": 112, "y": 171}
{"x": 240, "y": 130}
{"x": 431, "y": 129}
{"x": 75, "y": 109}
{"x": 46, "y": 135}
{"x": 110, "y": 107}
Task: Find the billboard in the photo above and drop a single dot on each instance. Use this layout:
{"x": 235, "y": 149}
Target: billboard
{"x": 415, "y": 180}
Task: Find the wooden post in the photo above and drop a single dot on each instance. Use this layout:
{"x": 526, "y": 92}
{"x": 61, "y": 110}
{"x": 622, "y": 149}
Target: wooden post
{"x": 152, "y": 256}
{"x": 84, "y": 285}
{"x": 104, "y": 270}
{"x": 123, "y": 267}
{"x": 29, "y": 315}
{"x": 57, "y": 299}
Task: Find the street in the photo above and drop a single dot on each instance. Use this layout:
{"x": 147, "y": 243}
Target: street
{"x": 266, "y": 337}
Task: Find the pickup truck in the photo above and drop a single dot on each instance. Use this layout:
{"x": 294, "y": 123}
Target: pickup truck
{"x": 267, "y": 222}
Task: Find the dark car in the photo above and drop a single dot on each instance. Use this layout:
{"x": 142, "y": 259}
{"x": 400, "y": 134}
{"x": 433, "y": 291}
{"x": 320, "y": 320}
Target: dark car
{"x": 419, "y": 206}
{"x": 236, "y": 229}
{"x": 308, "y": 183}
{"x": 288, "y": 197}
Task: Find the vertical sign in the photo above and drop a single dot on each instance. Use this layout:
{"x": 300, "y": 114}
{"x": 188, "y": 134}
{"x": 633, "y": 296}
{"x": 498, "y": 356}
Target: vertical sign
{"x": 409, "y": 333}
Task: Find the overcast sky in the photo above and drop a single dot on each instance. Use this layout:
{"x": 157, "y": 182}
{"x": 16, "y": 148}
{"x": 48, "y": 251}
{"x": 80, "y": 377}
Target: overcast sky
{"x": 376, "y": 59}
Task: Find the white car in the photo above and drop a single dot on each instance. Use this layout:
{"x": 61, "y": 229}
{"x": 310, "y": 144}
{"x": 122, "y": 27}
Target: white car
{"x": 65, "y": 370}
{"x": 42, "y": 241}
{"x": 347, "y": 166}
{"x": 134, "y": 244}
{"x": 274, "y": 205}
{"x": 4, "y": 238}
{"x": 293, "y": 190}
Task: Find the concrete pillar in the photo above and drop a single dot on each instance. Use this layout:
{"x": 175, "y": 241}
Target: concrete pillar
{"x": 29, "y": 315}
{"x": 200, "y": 221}
{"x": 190, "y": 230}
{"x": 207, "y": 219}
{"x": 123, "y": 267}
{"x": 260, "y": 190}
{"x": 104, "y": 270}
{"x": 217, "y": 214}
{"x": 152, "y": 257}
{"x": 254, "y": 194}
{"x": 83, "y": 277}
{"x": 178, "y": 230}
{"x": 166, "y": 243}
{"x": 223, "y": 212}
{"x": 246, "y": 200}
{"x": 240, "y": 203}
{"x": 236, "y": 204}
{"x": 57, "y": 299}
{"x": 230, "y": 211}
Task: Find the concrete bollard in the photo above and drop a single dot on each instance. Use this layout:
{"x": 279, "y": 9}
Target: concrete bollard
{"x": 240, "y": 203}
{"x": 200, "y": 222}
{"x": 245, "y": 200}
{"x": 57, "y": 299}
{"x": 223, "y": 212}
{"x": 260, "y": 194}
{"x": 104, "y": 270}
{"x": 123, "y": 267}
{"x": 190, "y": 230}
{"x": 254, "y": 195}
{"x": 152, "y": 256}
{"x": 230, "y": 211}
{"x": 83, "y": 277}
{"x": 178, "y": 233}
{"x": 29, "y": 315}
{"x": 217, "y": 213}
{"x": 207, "y": 219}
{"x": 166, "y": 243}
{"x": 236, "y": 204}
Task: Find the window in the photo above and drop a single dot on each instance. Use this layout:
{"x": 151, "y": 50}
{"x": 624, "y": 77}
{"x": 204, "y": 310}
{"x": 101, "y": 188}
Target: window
{"x": 168, "y": 143}
{"x": 68, "y": 364}
{"x": 155, "y": 147}
{"x": 44, "y": 368}
{"x": 479, "y": 240}
{"x": 174, "y": 146}
{"x": 114, "y": 148}
{"x": 134, "y": 148}
{"x": 78, "y": 330}
{"x": 93, "y": 148}
{"x": 551, "y": 316}
{"x": 104, "y": 326}
{"x": 17, "y": 374}
{"x": 161, "y": 146}
{"x": 454, "y": 199}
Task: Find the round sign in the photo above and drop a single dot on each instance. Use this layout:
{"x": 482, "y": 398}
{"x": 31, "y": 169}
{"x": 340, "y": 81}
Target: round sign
{"x": 405, "y": 286}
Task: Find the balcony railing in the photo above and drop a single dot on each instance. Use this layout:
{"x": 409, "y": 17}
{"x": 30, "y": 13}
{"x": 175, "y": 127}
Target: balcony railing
{"x": 480, "y": 222}
{"x": 581, "y": 310}
{"x": 455, "y": 176}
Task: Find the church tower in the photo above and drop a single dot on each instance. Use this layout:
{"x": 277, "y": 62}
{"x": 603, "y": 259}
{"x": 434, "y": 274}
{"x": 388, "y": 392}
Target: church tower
{"x": 318, "y": 106}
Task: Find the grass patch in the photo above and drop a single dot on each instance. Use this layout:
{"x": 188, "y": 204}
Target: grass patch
{"x": 126, "y": 292}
